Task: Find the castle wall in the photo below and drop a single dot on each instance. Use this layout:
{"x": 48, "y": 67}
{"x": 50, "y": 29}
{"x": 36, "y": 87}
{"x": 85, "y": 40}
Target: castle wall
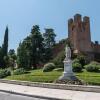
{"x": 96, "y": 48}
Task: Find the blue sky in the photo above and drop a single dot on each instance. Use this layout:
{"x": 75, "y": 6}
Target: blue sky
{"x": 21, "y": 15}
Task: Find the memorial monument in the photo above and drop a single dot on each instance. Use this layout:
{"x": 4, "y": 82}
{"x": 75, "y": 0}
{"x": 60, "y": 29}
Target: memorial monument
{"x": 68, "y": 76}
{"x": 68, "y": 73}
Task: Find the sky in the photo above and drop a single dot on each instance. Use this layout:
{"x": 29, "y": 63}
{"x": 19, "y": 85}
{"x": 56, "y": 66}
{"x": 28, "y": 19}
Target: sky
{"x": 21, "y": 15}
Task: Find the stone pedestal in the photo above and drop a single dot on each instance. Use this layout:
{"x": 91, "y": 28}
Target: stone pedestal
{"x": 68, "y": 76}
{"x": 68, "y": 73}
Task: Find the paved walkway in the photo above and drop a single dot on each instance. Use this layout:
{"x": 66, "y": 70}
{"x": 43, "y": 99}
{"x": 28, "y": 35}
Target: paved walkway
{"x": 9, "y": 96}
{"x": 51, "y": 93}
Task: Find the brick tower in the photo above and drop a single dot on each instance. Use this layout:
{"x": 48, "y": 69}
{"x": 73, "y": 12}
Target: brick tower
{"x": 79, "y": 34}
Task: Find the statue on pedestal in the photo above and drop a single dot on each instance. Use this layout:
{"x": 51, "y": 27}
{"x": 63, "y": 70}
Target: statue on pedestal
{"x": 68, "y": 76}
{"x": 68, "y": 73}
{"x": 68, "y": 52}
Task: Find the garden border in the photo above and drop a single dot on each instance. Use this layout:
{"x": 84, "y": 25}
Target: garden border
{"x": 85, "y": 88}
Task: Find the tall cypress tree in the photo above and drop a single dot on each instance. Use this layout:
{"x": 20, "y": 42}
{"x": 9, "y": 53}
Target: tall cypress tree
{"x": 5, "y": 43}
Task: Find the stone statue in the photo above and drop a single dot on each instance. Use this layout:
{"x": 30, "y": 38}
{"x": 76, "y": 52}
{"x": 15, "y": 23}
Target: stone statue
{"x": 68, "y": 73}
{"x": 68, "y": 53}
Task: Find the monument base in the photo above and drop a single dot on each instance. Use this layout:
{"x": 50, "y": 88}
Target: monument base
{"x": 68, "y": 76}
{"x": 70, "y": 82}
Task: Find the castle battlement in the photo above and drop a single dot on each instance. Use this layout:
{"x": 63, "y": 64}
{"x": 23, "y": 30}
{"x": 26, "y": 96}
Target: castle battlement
{"x": 79, "y": 35}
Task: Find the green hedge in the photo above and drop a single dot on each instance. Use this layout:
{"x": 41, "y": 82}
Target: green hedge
{"x": 93, "y": 67}
{"x": 77, "y": 67}
{"x": 59, "y": 69}
{"x": 48, "y": 67}
{"x": 19, "y": 71}
{"x": 4, "y": 73}
{"x": 58, "y": 61}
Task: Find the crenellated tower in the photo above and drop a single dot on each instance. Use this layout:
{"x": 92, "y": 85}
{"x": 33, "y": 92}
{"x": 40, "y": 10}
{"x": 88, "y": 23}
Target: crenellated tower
{"x": 79, "y": 33}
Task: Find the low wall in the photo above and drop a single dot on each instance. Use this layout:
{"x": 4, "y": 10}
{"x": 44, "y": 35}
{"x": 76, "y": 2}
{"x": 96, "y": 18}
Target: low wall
{"x": 85, "y": 88}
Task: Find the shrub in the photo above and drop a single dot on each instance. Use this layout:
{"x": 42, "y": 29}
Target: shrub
{"x": 82, "y": 59}
{"x": 95, "y": 63}
{"x": 76, "y": 61}
{"x": 93, "y": 67}
{"x": 4, "y": 73}
{"x": 48, "y": 67}
{"x": 59, "y": 69}
{"x": 19, "y": 71}
{"x": 58, "y": 61}
{"x": 77, "y": 67}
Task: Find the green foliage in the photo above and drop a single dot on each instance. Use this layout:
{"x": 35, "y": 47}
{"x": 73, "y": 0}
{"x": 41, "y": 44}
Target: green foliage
{"x": 6, "y": 60}
{"x": 49, "y": 38}
{"x": 95, "y": 63}
{"x": 4, "y": 73}
{"x": 63, "y": 41}
{"x": 4, "y": 50}
{"x": 11, "y": 52}
{"x": 93, "y": 67}
{"x": 30, "y": 51}
{"x": 76, "y": 61}
{"x": 77, "y": 67}
{"x": 82, "y": 59}
{"x": 37, "y": 46}
{"x": 39, "y": 76}
{"x": 12, "y": 58}
{"x": 5, "y": 43}
{"x": 58, "y": 61}
{"x": 47, "y": 54}
{"x": 48, "y": 67}
{"x": 2, "y": 63}
{"x": 49, "y": 42}
{"x": 58, "y": 69}
{"x": 23, "y": 57}
{"x": 19, "y": 71}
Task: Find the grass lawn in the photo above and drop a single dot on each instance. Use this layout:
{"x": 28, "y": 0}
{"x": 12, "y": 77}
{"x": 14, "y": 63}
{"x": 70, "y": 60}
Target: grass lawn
{"x": 39, "y": 76}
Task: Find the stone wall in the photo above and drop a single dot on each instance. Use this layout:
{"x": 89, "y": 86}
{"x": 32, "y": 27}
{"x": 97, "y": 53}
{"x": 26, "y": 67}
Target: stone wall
{"x": 80, "y": 37}
{"x": 79, "y": 33}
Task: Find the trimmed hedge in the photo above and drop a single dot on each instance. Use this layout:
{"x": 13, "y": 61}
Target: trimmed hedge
{"x": 48, "y": 67}
{"x": 77, "y": 67}
{"x": 4, "y": 73}
{"x": 19, "y": 71}
{"x": 76, "y": 60}
{"x": 58, "y": 61}
{"x": 93, "y": 67}
{"x": 59, "y": 69}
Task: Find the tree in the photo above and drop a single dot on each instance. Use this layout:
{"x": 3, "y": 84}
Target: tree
{"x": 37, "y": 46}
{"x": 49, "y": 38}
{"x": 1, "y": 58}
{"x": 22, "y": 58}
{"x": 5, "y": 43}
{"x": 49, "y": 42}
{"x": 11, "y": 52}
{"x": 6, "y": 61}
{"x": 12, "y": 58}
{"x": 30, "y": 51}
{"x": 4, "y": 50}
